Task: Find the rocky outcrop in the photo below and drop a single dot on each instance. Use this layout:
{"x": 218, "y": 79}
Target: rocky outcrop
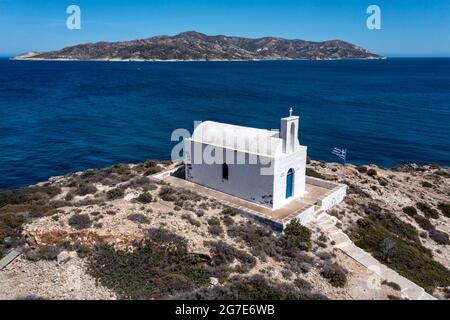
{"x": 59, "y": 226}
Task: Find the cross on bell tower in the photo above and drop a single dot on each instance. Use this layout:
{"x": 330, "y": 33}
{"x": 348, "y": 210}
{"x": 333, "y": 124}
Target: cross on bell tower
{"x": 289, "y": 132}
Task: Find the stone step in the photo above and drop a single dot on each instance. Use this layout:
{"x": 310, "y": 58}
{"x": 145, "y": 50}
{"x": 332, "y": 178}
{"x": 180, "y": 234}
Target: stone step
{"x": 340, "y": 238}
{"x": 325, "y": 220}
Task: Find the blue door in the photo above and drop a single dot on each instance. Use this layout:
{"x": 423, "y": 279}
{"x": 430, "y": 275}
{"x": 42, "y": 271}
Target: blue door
{"x": 289, "y": 179}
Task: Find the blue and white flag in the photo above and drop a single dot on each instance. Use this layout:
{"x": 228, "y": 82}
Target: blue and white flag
{"x": 341, "y": 153}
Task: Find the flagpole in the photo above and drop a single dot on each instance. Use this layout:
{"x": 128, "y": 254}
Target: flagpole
{"x": 345, "y": 157}
{"x": 343, "y": 167}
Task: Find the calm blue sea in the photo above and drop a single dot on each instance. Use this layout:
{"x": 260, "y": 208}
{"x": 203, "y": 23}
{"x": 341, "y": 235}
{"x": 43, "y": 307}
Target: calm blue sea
{"x": 59, "y": 117}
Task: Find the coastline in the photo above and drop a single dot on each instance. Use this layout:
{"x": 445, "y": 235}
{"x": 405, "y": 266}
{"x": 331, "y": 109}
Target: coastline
{"x": 397, "y": 167}
{"x": 182, "y": 60}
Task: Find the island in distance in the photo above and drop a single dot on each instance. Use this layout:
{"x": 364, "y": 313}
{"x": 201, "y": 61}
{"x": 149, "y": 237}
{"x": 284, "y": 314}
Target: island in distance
{"x": 195, "y": 46}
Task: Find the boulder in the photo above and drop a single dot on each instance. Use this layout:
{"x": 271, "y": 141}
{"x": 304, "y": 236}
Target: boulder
{"x": 213, "y": 281}
{"x": 63, "y": 257}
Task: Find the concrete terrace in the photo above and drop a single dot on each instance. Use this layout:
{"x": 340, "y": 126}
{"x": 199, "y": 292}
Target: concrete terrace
{"x": 296, "y": 206}
{"x": 275, "y": 218}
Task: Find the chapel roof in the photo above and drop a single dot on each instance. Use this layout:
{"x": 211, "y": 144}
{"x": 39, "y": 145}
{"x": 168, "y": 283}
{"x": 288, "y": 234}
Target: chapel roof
{"x": 250, "y": 140}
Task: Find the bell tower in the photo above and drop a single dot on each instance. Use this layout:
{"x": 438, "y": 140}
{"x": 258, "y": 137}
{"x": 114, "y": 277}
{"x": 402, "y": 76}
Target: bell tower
{"x": 289, "y": 132}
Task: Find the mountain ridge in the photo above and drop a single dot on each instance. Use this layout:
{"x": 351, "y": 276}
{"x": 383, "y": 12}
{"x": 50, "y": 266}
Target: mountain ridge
{"x": 196, "y": 46}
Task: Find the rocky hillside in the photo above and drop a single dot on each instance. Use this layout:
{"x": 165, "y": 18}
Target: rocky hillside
{"x": 400, "y": 215}
{"x": 89, "y": 232}
{"x": 197, "y": 46}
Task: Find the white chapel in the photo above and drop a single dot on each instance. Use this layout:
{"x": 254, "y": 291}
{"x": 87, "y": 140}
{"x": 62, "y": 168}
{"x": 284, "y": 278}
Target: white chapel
{"x": 262, "y": 166}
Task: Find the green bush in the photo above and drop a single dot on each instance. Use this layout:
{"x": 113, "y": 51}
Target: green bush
{"x": 227, "y": 220}
{"x": 37, "y": 195}
{"x": 69, "y": 196}
{"x": 260, "y": 240}
{"x": 426, "y": 184}
{"x": 12, "y": 220}
{"x": 199, "y": 213}
{"x": 138, "y": 218}
{"x": 80, "y": 221}
{"x": 213, "y": 221}
{"x": 439, "y": 237}
{"x": 215, "y": 230}
{"x": 158, "y": 267}
{"x": 191, "y": 219}
{"x": 361, "y": 169}
{"x": 116, "y": 193}
{"x": 150, "y": 163}
{"x": 85, "y": 189}
{"x": 152, "y": 170}
{"x": 372, "y": 172}
{"x": 302, "y": 284}
{"x": 224, "y": 255}
{"x": 296, "y": 235}
{"x": 334, "y": 274}
{"x": 388, "y": 248}
{"x": 392, "y": 223}
{"x": 423, "y": 222}
{"x": 427, "y": 210}
{"x": 12, "y": 217}
{"x": 445, "y": 208}
{"x": 106, "y": 176}
{"x": 410, "y": 259}
{"x": 410, "y": 211}
{"x": 254, "y": 288}
{"x": 179, "y": 196}
{"x": 145, "y": 197}
{"x": 167, "y": 193}
{"x": 228, "y": 211}
{"x": 143, "y": 182}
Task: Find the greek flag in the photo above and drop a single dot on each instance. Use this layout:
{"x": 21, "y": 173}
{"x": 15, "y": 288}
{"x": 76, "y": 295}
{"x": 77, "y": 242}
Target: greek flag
{"x": 341, "y": 153}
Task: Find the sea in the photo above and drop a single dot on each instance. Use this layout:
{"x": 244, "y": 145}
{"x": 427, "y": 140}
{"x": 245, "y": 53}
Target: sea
{"x": 58, "y": 117}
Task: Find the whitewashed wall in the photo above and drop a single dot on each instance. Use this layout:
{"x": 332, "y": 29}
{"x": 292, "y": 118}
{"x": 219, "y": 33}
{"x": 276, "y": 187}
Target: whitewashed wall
{"x": 335, "y": 197}
{"x": 244, "y": 180}
{"x": 296, "y": 161}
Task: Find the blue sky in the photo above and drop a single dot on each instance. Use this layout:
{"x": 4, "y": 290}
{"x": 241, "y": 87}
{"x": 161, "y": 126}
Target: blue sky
{"x": 409, "y": 27}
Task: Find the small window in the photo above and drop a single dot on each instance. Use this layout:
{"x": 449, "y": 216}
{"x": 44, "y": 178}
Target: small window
{"x": 225, "y": 171}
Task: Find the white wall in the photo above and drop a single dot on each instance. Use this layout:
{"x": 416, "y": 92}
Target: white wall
{"x": 296, "y": 161}
{"x": 305, "y": 216}
{"x": 244, "y": 180}
{"x": 329, "y": 201}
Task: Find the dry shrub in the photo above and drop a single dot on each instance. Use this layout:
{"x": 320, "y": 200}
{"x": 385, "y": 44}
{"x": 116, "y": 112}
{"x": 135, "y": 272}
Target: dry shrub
{"x": 80, "y": 221}
{"x": 138, "y": 218}
{"x": 427, "y": 210}
{"x": 254, "y": 288}
{"x": 439, "y": 237}
{"x": 445, "y": 208}
{"x": 223, "y": 255}
{"x": 158, "y": 267}
{"x": 116, "y": 193}
{"x": 191, "y": 219}
{"x": 145, "y": 198}
{"x": 85, "y": 189}
{"x": 334, "y": 274}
